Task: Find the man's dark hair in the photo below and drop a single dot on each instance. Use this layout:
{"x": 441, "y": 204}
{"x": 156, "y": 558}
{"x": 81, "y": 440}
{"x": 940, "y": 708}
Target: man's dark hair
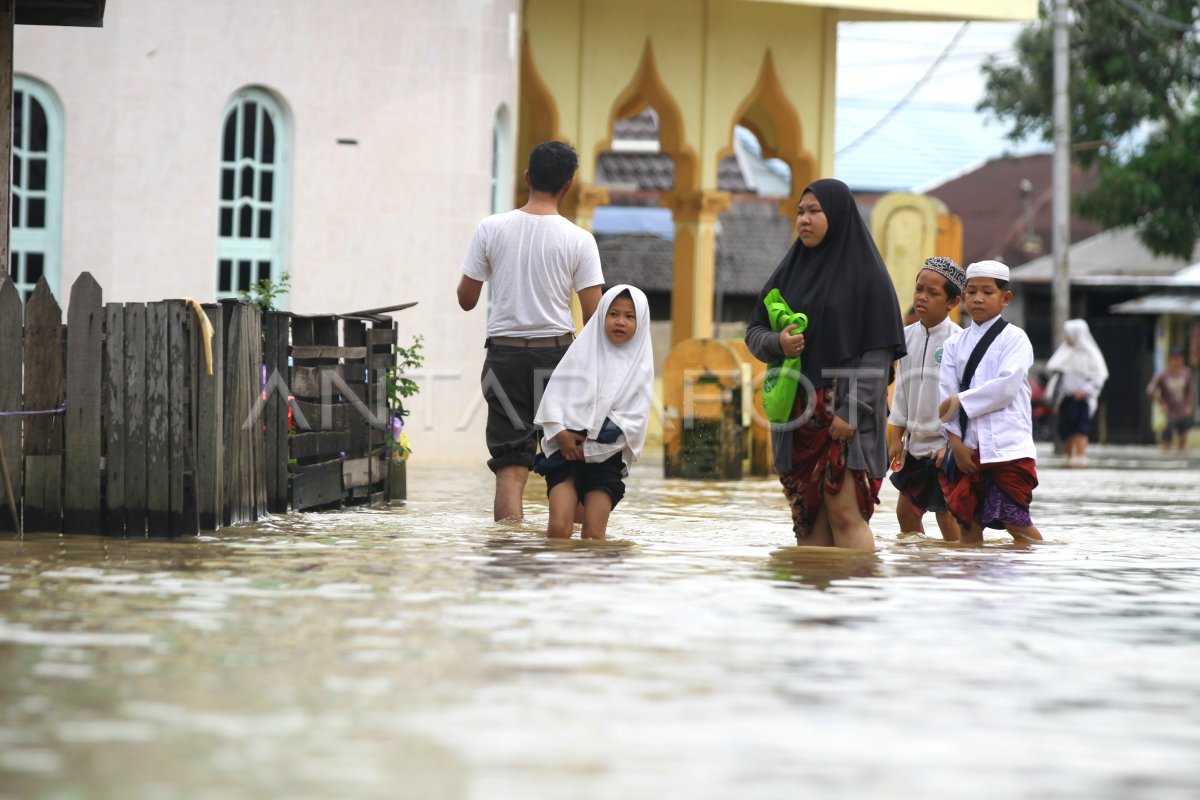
{"x": 551, "y": 165}
{"x": 952, "y": 290}
{"x": 1001, "y": 285}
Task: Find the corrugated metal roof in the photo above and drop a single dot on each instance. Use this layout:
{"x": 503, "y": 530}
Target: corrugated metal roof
{"x": 1112, "y": 257}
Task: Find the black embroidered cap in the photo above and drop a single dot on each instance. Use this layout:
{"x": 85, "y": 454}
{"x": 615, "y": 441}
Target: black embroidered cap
{"x": 948, "y": 270}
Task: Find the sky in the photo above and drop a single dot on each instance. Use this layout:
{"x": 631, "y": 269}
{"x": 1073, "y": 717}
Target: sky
{"x": 938, "y": 133}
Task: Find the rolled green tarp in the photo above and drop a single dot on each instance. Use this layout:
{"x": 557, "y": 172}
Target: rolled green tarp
{"x": 782, "y": 378}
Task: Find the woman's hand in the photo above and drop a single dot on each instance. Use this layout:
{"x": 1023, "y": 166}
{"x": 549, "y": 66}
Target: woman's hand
{"x": 840, "y": 430}
{"x": 792, "y": 344}
{"x": 570, "y": 444}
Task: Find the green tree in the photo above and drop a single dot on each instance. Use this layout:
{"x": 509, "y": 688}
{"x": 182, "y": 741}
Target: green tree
{"x": 1134, "y": 73}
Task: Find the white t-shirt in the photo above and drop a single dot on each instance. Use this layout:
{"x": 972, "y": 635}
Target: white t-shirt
{"x": 533, "y": 262}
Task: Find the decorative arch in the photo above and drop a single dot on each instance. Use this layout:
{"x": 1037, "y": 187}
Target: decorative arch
{"x": 538, "y": 118}
{"x": 770, "y": 116}
{"x": 647, "y": 90}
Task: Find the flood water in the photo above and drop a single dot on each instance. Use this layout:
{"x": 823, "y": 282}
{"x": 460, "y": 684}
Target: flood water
{"x": 424, "y": 651}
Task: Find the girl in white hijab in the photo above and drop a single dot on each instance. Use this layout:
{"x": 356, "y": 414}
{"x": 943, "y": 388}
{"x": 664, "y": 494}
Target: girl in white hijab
{"x": 1082, "y": 373}
{"x": 594, "y": 412}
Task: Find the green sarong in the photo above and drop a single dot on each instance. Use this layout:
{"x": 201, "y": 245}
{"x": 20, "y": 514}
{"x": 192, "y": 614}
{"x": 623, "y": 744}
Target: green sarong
{"x": 782, "y": 378}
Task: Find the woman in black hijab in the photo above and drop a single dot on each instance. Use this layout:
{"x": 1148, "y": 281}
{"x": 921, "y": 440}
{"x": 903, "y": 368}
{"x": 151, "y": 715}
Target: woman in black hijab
{"x": 838, "y": 426}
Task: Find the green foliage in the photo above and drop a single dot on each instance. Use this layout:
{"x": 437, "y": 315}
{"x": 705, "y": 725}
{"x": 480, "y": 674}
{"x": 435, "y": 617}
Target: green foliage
{"x": 397, "y": 385}
{"x": 266, "y": 292}
{"x": 1134, "y": 66}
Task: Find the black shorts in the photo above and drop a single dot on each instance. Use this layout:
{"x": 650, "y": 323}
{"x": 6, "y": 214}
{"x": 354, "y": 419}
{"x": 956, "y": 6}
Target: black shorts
{"x": 918, "y": 481}
{"x": 589, "y": 477}
{"x": 1180, "y": 425}
{"x": 513, "y": 380}
{"x": 1074, "y": 418}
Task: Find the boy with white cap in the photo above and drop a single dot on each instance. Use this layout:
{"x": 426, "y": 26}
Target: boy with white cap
{"x": 986, "y": 413}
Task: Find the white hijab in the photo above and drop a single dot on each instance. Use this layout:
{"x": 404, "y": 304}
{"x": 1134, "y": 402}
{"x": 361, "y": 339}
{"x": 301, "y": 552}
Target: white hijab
{"x": 597, "y": 379}
{"x": 1079, "y": 353}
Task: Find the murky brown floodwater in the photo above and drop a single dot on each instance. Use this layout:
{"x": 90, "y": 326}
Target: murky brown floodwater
{"x": 424, "y": 651}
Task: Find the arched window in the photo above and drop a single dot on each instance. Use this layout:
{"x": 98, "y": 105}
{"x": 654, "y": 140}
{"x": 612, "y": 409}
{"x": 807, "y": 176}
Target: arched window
{"x": 36, "y": 238}
{"x": 253, "y": 193}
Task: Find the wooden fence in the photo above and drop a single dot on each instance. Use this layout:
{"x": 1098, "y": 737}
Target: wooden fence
{"x": 132, "y": 420}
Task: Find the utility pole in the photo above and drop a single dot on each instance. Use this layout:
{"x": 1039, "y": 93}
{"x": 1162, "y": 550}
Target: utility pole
{"x": 1061, "y": 241}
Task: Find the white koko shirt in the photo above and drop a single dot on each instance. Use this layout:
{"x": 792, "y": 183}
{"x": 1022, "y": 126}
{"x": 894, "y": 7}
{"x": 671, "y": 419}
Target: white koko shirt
{"x": 533, "y": 261}
{"x": 997, "y": 402}
{"x": 917, "y": 395}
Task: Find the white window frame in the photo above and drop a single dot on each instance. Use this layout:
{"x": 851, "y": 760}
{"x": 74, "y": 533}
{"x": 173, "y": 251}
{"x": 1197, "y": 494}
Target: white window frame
{"x": 46, "y": 240}
{"x": 254, "y": 249}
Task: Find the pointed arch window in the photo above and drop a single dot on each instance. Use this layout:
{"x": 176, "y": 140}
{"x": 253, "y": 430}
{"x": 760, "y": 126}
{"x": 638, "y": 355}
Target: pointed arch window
{"x": 35, "y": 240}
{"x": 252, "y": 205}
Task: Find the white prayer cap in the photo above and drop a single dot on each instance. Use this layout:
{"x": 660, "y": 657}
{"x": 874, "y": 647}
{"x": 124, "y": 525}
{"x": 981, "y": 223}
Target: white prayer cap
{"x": 988, "y": 269}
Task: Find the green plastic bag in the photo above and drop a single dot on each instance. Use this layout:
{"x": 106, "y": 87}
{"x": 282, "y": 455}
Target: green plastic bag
{"x": 782, "y": 378}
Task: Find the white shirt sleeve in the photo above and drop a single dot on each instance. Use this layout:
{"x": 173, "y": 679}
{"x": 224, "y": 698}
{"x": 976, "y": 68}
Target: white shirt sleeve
{"x": 948, "y": 384}
{"x": 899, "y": 414}
{"x": 587, "y": 268}
{"x": 476, "y": 264}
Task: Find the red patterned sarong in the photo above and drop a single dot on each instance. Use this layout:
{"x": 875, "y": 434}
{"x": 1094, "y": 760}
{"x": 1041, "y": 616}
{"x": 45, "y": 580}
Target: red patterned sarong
{"x": 819, "y": 466}
{"x": 965, "y": 495}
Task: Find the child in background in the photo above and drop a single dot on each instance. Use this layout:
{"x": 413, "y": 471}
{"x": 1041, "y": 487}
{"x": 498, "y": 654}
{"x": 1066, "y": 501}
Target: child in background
{"x": 594, "y": 413}
{"x": 986, "y": 415}
{"x": 918, "y": 444}
{"x": 1172, "y": 388}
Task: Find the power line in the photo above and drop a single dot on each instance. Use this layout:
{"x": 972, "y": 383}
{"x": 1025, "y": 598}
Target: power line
{"x": 903, "y": 101}
{"x": 1153, "y": 15}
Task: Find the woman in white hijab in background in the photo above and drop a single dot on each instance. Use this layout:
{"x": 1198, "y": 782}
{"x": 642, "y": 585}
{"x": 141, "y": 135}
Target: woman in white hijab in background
{"x": 1082, "y": 373}
{"x": 594, "y": 412}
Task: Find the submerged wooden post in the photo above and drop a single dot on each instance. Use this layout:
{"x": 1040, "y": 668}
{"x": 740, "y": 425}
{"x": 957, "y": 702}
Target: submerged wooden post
{"x": 81, "y": 485}
{"x": 44, "y": 393}
{"x": 12, "y": 346}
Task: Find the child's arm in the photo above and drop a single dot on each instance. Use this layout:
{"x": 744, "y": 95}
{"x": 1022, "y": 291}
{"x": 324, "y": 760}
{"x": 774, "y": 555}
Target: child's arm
{"x": 948, "y": 392}
{"x": 1016, "y": 358}
{"x": 963, "y": 456}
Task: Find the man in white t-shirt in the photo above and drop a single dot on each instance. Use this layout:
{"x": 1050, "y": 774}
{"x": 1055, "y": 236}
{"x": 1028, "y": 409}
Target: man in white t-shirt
{"x": 533, "y": 258}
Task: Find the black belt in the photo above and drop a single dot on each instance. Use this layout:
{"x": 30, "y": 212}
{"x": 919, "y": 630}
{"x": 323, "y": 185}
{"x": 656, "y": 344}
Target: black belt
{"x": 563, "y": 340}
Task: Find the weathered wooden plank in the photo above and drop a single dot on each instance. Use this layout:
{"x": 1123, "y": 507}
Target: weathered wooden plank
{"x": 231, "y": 414}
{"x": 381, "y": 361}
{"x": 43, "y": 493}
{"x": 115, "y": 433}
{"x": 307, "y": 352}
{"x": 209, "y": 450}
{"x": 276, "y": 359}
{"x": 191, "y": 394}
{"x": 136, "y": 420}
{"x": 363, "y": 471}
{"x": 81, "y": 481}
{"x": 331, "y": 417}
{"x": 315, "y": 445}
{"x": 12, "y": 347}
{"x": 307, "y": 381}
{"x": 258, "y": 446}
{"x": 354, "y": 333}
{"x": 158, "y": 440}
{"x": 179, "y": 459}
{"x": 384, "y": 334}
{"x": 43, "y": 392}
{"x": 318, "y": 486}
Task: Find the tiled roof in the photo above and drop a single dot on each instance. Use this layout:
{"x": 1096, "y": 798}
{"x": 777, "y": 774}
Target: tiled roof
{"x": 655, "y": 172}
{"x": 753, "y": 239}
{"x": 992, "y": 207}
